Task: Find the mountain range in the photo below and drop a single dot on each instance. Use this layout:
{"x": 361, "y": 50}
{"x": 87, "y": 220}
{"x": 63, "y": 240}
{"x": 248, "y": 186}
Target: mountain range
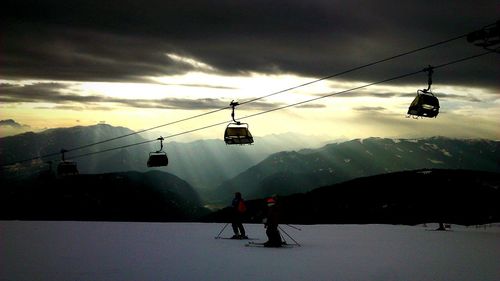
{"x": 204, "y": 164}
{"x": 276, "y": 164}
{"x": 463, "y": 197}
{"x": 301, "y": 171}
{"x": 374, "y": 180}
{"x": 126, "y": 196}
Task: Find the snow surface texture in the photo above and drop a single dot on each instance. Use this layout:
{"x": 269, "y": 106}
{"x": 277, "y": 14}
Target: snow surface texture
{"x": 188, "y": 251}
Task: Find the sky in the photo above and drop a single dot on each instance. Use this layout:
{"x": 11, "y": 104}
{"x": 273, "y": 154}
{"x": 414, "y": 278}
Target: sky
{"x": 140, "y": 64}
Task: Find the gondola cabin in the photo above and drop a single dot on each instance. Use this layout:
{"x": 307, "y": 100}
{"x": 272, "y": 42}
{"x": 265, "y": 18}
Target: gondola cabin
{"x": 157, "y": 159}
{"x": 67, "y": 168}
{"x": 238, "y": 133}
{"x": 425, "y": 104}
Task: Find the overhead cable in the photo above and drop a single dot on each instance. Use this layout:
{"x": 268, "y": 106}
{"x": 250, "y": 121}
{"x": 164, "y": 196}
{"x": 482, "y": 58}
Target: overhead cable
{"x": 274, "y": 93}
{"x": 295, "y": 104}
{"x": 249, "y": 101}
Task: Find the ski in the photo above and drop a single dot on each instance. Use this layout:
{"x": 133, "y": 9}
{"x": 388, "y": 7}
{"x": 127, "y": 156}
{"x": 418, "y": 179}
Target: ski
{"x": 254, "y": 244}
{"x": 229, "y": 238}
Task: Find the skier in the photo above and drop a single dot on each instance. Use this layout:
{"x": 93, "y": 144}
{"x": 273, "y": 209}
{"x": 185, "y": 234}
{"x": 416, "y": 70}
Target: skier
{"x": 239, "y": 209}
{"x": 271, "y": 224}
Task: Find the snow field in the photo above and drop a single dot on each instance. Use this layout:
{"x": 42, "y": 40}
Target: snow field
{"x": 188, "y": 251}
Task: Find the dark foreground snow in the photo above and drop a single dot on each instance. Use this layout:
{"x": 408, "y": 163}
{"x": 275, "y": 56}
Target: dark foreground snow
{"x": 188, "y": 251}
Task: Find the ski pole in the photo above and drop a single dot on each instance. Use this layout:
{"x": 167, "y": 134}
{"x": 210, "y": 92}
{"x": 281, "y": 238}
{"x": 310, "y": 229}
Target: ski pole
{"x": 296, "y": 243}
{"x": 283, "y": 238}
{"x": 289, "y": 225}
{"x": 218, "y": 235}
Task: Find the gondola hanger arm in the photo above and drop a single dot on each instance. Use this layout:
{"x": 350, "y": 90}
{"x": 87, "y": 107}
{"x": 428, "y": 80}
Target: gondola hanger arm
{"x": 233, "y": 105}
{"x": 430, "y": 70}
{"x": 161, "y": 143}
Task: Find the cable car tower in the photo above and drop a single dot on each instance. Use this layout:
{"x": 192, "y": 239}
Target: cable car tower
{"x": 158, "y": 158}
{"x": 237, "y": 132}
{"x": 425, "y": 103}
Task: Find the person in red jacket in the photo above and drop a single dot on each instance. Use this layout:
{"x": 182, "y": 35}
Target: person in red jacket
{"x": 271, "y": 223}
{"x": 239, "y": 209}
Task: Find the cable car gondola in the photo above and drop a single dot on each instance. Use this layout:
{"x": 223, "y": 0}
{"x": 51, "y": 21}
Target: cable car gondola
{"x": 488, "y": 37}
{"x": 425, "y": 103}
{"x": 237, "y": 132}
{"x": 66, "y": 167}
{"x": 158, "y": 158}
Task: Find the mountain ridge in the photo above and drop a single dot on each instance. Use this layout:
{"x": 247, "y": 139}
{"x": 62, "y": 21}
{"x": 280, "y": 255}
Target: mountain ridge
{"x": 270, "y": 166}
{"x": 465, "y": 197}
{"x": 124, "y": 196}
{"x": 338, "y": 162}
{"x": 203, "y": 163}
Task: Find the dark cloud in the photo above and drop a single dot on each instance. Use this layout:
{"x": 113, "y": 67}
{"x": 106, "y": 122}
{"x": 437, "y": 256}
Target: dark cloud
{"x": 13, "y": 124}
{"x": 75, "y": 107}
{"x": 441, "y": 95}
{"x": 199, "y": 86}
{"x": 61, "y": 95}
{"x": 458, "y": 97}
{"x": 315, "y": 105}
{"x": 37, "y": 92}
{"x": 88, "y": 40}
{"x": 444, "y": 96}
{"x": 369, "y": 108}
{"x": 364, "y": 94}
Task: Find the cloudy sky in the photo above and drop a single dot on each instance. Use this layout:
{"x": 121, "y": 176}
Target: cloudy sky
{"x": 140, "y": 64}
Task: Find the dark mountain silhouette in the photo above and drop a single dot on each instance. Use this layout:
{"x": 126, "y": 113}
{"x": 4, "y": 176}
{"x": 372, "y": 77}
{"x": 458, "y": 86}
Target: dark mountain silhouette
{"x": 411, "y": 197}
{"x": 216, "y": 170}
{"x": 291, "y": 172}
{"x": 128, "y": 196}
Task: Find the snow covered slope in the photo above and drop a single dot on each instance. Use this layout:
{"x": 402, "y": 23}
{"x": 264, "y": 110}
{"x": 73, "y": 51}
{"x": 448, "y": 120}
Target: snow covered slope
{"x": 188, "y": 251}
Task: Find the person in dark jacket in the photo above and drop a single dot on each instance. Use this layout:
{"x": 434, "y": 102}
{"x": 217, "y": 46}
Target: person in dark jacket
{"x": 239, "y": 209}
{"x": 271, "y": 223}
